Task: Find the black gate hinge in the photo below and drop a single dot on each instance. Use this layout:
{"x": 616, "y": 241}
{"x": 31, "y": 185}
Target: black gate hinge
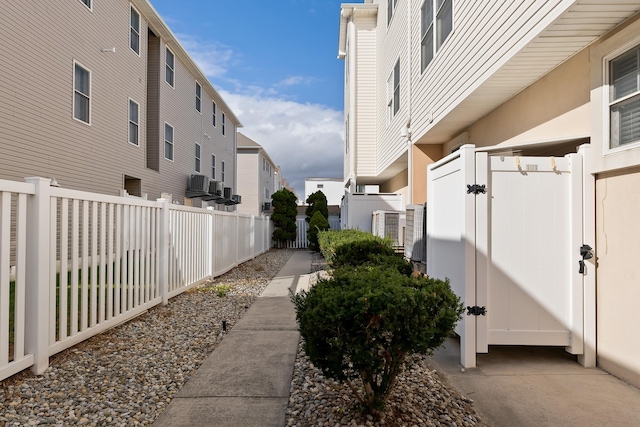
{"x": 476, "y": 189}
{"x": 476, "y": 311}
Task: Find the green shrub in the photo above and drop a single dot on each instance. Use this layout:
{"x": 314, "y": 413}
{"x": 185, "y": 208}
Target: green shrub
{"x": 364, "y": 322}
{"x": 284, "y": 215}
{"x": 330, "y": 240}
{"x": 360, "y": 252}
{"x": 318, "y": 223}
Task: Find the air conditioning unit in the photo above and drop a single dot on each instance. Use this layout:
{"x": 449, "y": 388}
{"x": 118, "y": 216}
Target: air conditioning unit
{"x": 266, "y": 206}
{"x": 198, "y": 186}
{"x": 215, "y": 191}
{"x": 226, "y": 196}
{"x": 236, "y": 198}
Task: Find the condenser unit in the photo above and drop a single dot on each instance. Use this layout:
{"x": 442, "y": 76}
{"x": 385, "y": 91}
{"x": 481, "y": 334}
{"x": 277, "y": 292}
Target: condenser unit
{"x": 198, "y": 186}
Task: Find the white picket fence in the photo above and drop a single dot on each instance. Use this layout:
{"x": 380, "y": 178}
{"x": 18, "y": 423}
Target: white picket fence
{"x": 301, "y": 241}
{"x": 73, "y": 264}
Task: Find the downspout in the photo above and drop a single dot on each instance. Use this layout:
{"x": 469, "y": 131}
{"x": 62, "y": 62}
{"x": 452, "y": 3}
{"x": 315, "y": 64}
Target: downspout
{"x": 351, "y": 63}
{"x": 409, "y": 141}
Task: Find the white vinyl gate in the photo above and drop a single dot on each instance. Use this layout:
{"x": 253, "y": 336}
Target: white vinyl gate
{"x": 508, "y": 232}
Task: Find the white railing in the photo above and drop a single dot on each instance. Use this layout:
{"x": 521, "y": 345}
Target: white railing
{"x": 73, "y": 264}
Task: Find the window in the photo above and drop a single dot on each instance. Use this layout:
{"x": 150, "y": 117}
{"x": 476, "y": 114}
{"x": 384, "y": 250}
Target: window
{"x": 197, "y": 157}
{"x": 213, "y": 166}
{"x": 393, "y": 92}
{"x": 224, "y": 123}
{"x": 81, "y": 93}
{"x": 198, "y": 97}
{"x": 168, "y": 141}
{"x": 170, "y": 66}
{"x": 222, "y": 171}
{"x": 320, "y": 185}
{"x": 435, "y": 28}
{"x": 134, "y": 38}
{"x": 624, "y": 99}
{"x": 391, "y": 7}
{"x": 134, "y": 122}
{"x": 214, "y": 113}
{"x": 87, "y": 3}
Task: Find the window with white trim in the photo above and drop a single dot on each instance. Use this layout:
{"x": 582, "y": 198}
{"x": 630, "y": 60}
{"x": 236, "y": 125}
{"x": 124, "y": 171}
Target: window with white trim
{"x": 222, "y": 171}
{"x": 87, "y": 3}
{"x": 391, "y": 7}
{"x": 224, "y": 124}
{"x": 169, "y": 67}
{"x": 134, "y": 122}
{"x": 624, "y": 99}
{"x": 134, "y": 38}
{"x": 214, "y": 113}
{"x": 213, "y": 166}
{"x": 434, "y": 28}
{"x": 393, "y": 92}
{"x": 81, "y": 93}
{"x": 198, "y": 157}
{"x": 168, "y": 141}
{"x": 198, "y": 97}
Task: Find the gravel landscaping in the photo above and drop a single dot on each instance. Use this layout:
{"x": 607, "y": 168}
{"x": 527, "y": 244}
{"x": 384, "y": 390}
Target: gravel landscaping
{"x": 128, "y": 375}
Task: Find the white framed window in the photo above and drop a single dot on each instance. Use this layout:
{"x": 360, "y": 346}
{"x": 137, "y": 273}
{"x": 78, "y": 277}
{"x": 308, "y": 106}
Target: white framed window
{"x": 134, "y": 33}
{"x": 393, "y": 92}
{"x": 436, "y": 24}
{"x": 197, "y": 166}
{"x": 213, "y": 166}
{"x": 87, "y": 3}
{"x": 391, "y": 7}
{"x": 215, "y": 107}
{"x": 168, "y": 141}
{"x": 222, "y": 171}
{"x": 198, "y": 98}
{"x": 81, "y": 93}
{"x": 169, "y": 67}
{"x": 320, "y": 185}
{"x": 624, "y": 99}
{"x": 224, "y": 124}
{"x": 134, "y": 122}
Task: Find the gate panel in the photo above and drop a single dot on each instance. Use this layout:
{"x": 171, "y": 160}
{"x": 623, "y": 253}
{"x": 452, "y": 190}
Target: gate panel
{"x": 526, "y": 237}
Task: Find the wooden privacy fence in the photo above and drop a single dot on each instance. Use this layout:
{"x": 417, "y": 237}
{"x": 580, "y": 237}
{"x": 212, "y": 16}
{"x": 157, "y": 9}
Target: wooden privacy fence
{"x": 73, "y": 264}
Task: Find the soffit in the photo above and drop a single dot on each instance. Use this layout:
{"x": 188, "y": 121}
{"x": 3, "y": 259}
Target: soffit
{"x": 348, "y": 11}
{"x": 582, "y": 24}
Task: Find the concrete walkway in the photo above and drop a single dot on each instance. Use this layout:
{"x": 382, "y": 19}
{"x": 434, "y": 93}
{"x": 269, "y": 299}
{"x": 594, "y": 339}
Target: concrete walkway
{"x": 539, "y": 387}
{"x": 245, "y": 381}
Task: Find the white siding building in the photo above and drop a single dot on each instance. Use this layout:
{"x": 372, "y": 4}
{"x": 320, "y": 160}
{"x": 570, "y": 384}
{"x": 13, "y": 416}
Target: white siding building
{"x": 333, "y": 189}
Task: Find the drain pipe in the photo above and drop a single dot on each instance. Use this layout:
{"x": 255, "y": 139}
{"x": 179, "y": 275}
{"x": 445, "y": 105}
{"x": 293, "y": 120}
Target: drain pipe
{"x": 409, "y": 141}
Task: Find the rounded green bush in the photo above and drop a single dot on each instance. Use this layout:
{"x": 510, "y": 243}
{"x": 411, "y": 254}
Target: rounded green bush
{"x": 363, "y": 322}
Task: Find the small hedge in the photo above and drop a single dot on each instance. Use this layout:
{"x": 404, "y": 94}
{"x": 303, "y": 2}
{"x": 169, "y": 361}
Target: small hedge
{"x": 331, "y": 240}
{"x": 364, "y": 322}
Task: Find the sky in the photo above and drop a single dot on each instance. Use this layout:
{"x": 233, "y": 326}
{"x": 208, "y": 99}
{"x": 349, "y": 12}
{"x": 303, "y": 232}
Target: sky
{"x": 275, "y": 64}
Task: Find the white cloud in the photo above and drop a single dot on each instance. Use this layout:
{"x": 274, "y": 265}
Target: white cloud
{"x": 306, "y": 140}
{"x": 214, "y": 59}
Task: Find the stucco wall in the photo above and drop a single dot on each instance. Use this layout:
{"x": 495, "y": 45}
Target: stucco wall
{"x": 618, "y": 276}
{"x": 398, "y": 184}
{"x": 553, "y": 108}
{"x": 423, "y": 155}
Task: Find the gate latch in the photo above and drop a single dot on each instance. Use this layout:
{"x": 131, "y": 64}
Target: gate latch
{"x": 476, "y": 311}
{"x": 476, "y": 189}
{"x": 585, "y": 252}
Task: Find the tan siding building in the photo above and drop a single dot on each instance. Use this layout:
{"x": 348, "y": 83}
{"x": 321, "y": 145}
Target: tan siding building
{"x": 109, "y": 63}
{"x": 530, "y": 78}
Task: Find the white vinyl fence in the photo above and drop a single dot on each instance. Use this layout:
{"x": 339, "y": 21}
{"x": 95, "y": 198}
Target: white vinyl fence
{"x": 73, "y": 264}
{"x": 301, "y": 241}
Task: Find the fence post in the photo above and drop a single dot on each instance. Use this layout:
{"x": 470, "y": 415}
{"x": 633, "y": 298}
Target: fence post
{"x": 163, "y": 257}
{"x": 211, "y": 242}
{"x": 37, "y": 275}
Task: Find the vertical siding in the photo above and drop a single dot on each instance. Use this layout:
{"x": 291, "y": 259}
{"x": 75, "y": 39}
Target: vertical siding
{"x": 365, "y": 114}
{"x": 248, "y": 171}
{"x": 153, "y": 142}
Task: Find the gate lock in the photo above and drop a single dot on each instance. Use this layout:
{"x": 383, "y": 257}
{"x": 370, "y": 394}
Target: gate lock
{"x": 585, "y": 252}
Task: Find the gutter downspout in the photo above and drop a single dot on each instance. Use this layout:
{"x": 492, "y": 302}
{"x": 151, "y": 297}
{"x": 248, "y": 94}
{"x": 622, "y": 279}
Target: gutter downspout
{"x": 409, "y": 141}
{"x": 351, "y": 63}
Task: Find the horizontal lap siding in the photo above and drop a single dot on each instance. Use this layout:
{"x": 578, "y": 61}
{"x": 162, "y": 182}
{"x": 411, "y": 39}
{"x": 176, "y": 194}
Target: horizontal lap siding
{"x": 38, "y": 135}
{"x": 248, "y": 167}
{"x": 484, "y": 36}
{"x": 392, "y": 45}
